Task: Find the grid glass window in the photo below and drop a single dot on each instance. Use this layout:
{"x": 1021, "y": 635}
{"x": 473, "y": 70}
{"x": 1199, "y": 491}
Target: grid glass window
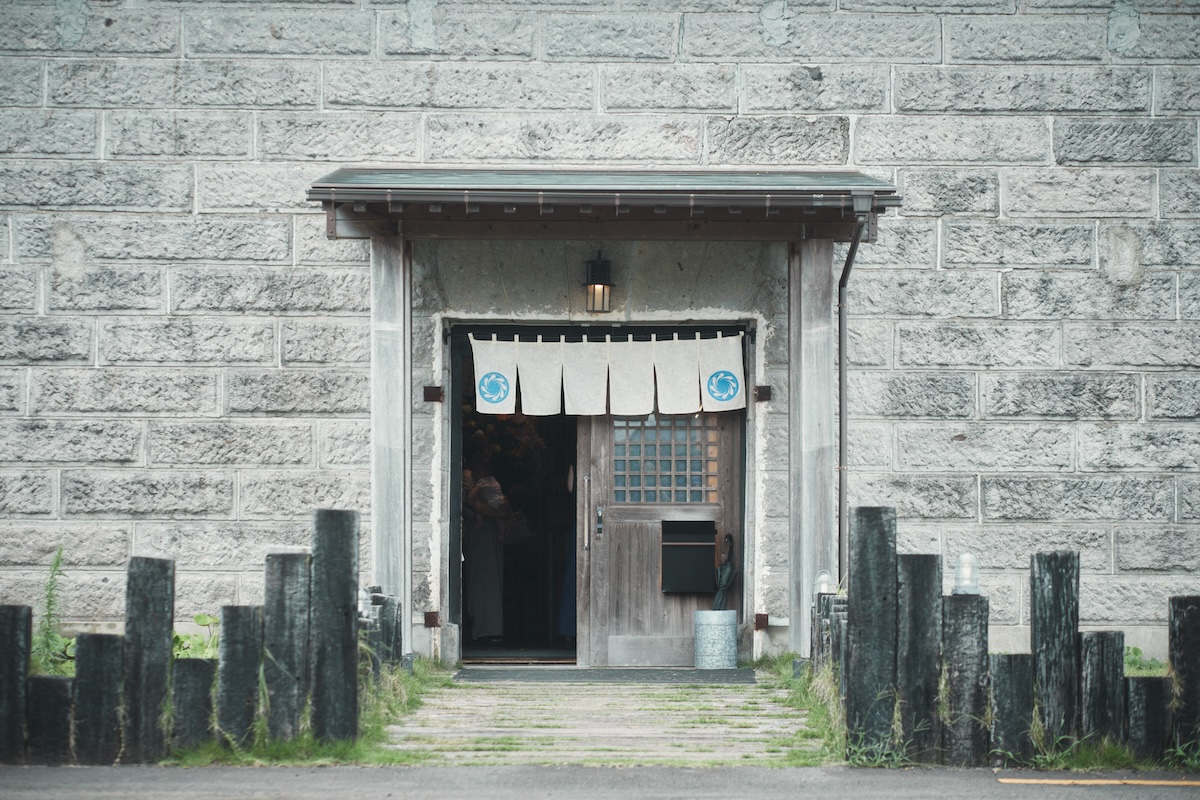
{"x": 666, "y": 459}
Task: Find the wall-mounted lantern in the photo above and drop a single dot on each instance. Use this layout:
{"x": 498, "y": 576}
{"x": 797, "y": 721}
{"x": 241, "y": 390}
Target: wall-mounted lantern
{"x": 598, "y": 284}
{"x": 966, "y": 575}
{"x": 825, "y": 584}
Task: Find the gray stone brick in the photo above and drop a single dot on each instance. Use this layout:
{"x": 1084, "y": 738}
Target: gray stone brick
{"x": 969, "y": 243}
{"x": 112, "y": 30}
{"x": 673, "y": 87}
{"x": 1161, "y": 447}
{"x": 84, "y": 544}
{"x": 1179, "y": 192}
{"x": 294, "y": 494}
{"x": 951, "y": 192}
{"x": 902, "y": 293}
{"x": 270, "y": 290}
{"x": 1018, "y": 89}
{"x": 933, "y": 6}
{"x": 201, "y": 593}
{"x": 1173, "y": 397}
{"x": 345, "y": 444}
{"x": 18, "y": 289}
{"x": 168, "y": 494}
{"x": 1158, "y": 549}
{"x": 314, "y": 247}
{"x": 133, "y": 187}
{"x": 902, "y": 243}
{"x": 298, "y": 392}
{"x": 910, "y": 394}
{"x": 870, "y": 446}
{"x": 573, "y": 138}
{"x": 1189, "y": 296}
{"x": 326, "y": 342}
{"x": 927, "y": 344}
{"x": 1039, "y": 295}
{"x": 1091, "y": 193}
{"x": 184, "y": 341}
{"x": 814, "y": 89}
{"x": 120, "y": 237}
{"x": 184, "y": 134}
{"x": 123, "y": 391}
{"x": 986, "y": 447}
{"x": 1167, "y": 244}
{"x": 38, "y": 340}
{"x": 217, "y": 443}
{"x": 279, "y": 32}
{"x": 36, "y": 132}
{"x": 70, "y": 441}
{"x": 609, "y": 37}
{"x": 951, "y": 140}
{"x": 1026, "y": 38}
{"x": 1177, "y": 90}
{"x": 20, "y": 82}
{"x": 216, "y": 545}
{"x": 113, "y": 288}
{"x": 1130, "y": 600}
{"x": 339, "y": 137}
{"x": 778, "y": 140}
{"x": 1130, "y": 346}
{"x": 420, "y": 86}
{"x": 811, "y": 37}
{"x": 97, "y": 596}
{"x": 173, "y": 84}
{"x": 12, "y": 391}
{"x": 1078, "y": 499}
{"x": 1166, "y": 37}
{"x": 253, "y": 187}
{"x": 1076, "y": 395}
{"x": 451, "y": 33}
{"x": 869, "y": 343}
{"x": 1012, "y": 546}
{"x": 1189, "y": 498}
{"x": 26, "y": 494}
{"x": 1125, "y": 141}
{"x": 917, "y": 496}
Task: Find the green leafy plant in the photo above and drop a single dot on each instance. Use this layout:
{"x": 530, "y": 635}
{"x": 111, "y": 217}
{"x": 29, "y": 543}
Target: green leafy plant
{"x": 52, "y": 653}
{"x": 1138, "y": 664}
{"x": 197, "y": 645}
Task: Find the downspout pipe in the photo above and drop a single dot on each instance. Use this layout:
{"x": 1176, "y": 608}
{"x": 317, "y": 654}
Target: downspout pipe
{"x": 861, "y": 219}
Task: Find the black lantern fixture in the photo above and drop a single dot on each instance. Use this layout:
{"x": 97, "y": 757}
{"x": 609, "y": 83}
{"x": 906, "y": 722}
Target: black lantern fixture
{"x": 598, "y": 284}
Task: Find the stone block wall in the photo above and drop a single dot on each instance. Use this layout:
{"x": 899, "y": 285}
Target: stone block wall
{"x": 184, "y": 357}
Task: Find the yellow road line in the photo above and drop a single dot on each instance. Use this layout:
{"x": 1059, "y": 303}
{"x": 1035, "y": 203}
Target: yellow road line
{"x": 1096, "y": 782}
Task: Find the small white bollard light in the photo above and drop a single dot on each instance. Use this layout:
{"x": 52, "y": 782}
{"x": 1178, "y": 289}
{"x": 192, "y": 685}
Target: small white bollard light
{"x": 966, "y": 575}
{"x": 825, "y": 583}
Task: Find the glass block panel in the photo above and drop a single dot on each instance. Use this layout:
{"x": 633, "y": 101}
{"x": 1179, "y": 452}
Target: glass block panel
{"x": 681, "y": 454}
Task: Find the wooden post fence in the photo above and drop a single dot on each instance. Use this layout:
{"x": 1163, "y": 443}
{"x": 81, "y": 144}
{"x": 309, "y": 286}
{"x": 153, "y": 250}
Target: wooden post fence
{"x": 149, "y": 614}
{"x": 334, "y": 620}
{"x": 1054, "y": 623}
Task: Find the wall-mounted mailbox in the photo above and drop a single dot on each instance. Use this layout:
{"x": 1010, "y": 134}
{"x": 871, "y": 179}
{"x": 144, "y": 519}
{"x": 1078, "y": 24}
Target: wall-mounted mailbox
{"x": 689, "y": 553}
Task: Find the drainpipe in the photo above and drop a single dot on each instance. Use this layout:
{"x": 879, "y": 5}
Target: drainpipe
{"x": 862, "y": 206}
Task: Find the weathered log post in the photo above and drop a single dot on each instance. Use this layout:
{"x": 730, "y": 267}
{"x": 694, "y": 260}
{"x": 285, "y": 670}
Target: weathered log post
{"x": 1102, "y": 685}
{"x": 1148, "y": 700}
{"x": 1012, "y": 707}
{"x": 240, "y": 653}
{"x": 1054, "y": 623}
{"x": 965, "y": 656}
{"x": 98, "y": 658}
{"x": 334, "y": 625}
{"x": 16, "y": 637}
{"x": 821, "y": 645}
{"x": 1183, "y": 649}
{"x": 871, "y": 630}
{"x": 149, "y": 613}
{"x": 192, "y": 698}
{"x": 390, "y": 628}
{"x": 285, "y": 637}
{"x": 919, "y": 654}
{"x": 49, "y": 720}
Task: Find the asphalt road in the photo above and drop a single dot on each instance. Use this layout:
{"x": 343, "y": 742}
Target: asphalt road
{"x": 591, "y": 783}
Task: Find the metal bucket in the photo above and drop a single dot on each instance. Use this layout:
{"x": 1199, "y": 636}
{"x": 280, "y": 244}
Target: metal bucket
{"x": 716, "y": 639}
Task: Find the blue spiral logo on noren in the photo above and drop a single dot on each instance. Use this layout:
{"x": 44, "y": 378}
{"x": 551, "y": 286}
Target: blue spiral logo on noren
{"x": 493, "y": 387}
{"x": 723, "y": 385}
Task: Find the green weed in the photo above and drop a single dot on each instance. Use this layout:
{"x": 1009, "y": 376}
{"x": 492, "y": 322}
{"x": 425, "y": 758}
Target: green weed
{"x": 51, "y": 653}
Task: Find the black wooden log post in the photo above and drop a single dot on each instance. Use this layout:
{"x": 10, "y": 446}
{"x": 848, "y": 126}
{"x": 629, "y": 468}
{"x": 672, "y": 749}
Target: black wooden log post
{"x": 839, "y": 644}
{"x": 871, "y": 629}
{"x": 965, "y": 738}
{"x": 1054, "y": 623}
{"x": 334, "y": 625}
{"x": 390, "y": 629}
{"x": 823, "y": 612}
{"x": 1012, "y": 707}
{"x": 49, "y": 720}
{"x": 240, "y": 652}
{"x": 1102, "y": 685}
{"x": 192, "y": 699}
{"x": 149, "y": 612}
{"x": 1148, "y": 701}
{"x": 285, "y": 639}
{"x": 1183, "y": 650}
{"x": 98, "y": 658}
{"x": 919, "y": 654}
{"x": 16, "y": 635}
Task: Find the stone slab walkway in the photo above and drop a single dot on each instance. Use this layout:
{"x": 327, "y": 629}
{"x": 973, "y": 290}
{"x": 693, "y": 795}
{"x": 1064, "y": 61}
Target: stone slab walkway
{"x": 621, "y": 724}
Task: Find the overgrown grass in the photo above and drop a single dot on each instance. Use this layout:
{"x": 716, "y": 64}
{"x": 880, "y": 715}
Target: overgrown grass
{"x": 382, "y": 701}
{"x": 816, "y": 695}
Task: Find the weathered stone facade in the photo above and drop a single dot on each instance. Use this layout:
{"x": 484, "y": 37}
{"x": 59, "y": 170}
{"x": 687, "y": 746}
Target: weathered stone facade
{"x": 185, "y": 358}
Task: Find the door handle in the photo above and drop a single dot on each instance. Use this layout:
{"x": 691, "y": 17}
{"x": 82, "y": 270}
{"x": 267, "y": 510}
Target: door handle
{"x": 587, "y": 512}
{"x": 599, "y": 520}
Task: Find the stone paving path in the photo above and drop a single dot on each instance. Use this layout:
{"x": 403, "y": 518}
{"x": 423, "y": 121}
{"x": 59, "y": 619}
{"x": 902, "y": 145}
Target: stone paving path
{"x": 622, "y": 724}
